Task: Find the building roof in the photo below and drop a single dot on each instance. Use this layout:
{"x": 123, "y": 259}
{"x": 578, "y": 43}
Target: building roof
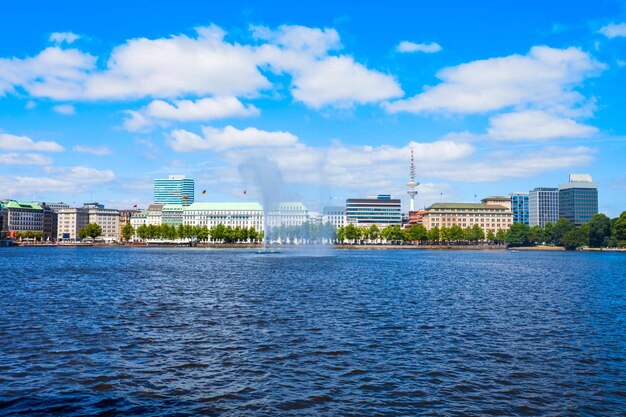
{"x": 288, "y": 205}
{"x": 172, "y": 207}
{"x": 12, "y": 204}
{"x": 439, "y": 206}
{"x": 224, "y": 207}
{"x": 372, "y": 201}
{"x": 334, "y": 209}
{"x": 496, "y": 197}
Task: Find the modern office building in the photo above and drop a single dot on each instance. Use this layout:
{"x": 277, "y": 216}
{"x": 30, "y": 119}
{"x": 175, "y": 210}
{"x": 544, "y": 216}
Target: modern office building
{"x": 70, "y": 221}
{"x": 492, "y": 214}
{"x": 176, "y": 189}
{"x": 107, "y": 219}
{"x": 519, "y": 206}
{"x": 578, "y": 199}
{"x": 543, "y": 206}
{"x": 56, "y": 206}
{"x": 335, "y": 215}
{"x": 381, "y": 211}
{"x": 228, "y": 214}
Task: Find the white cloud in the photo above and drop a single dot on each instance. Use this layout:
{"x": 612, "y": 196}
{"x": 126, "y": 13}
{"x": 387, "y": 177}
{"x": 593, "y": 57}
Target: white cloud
{"x": 159, "y": 112}
{"x": 621, "y": 63}
{"x": 545, "y": 78}
{"x": 63, "y": 37}
{"x": 22, "y": 143}
{"x": 65, "y": 109}
{"x": 56, "y": 180}
{"x": 314, "y": 41}
{"x": 408, "y": 47}
{"x": 204, "y": 65}
{"x": 93, "y": 150}
{"x": 536, "y": 125}
{"x": 613, "y": 30}
{"x": 500, "y": 167}
{"x": 227, "y": 138}
{"x": 24, "y": 159}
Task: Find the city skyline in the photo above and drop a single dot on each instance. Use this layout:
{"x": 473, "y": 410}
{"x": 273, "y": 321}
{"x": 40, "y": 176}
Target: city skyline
{"x": 335, "y": 98}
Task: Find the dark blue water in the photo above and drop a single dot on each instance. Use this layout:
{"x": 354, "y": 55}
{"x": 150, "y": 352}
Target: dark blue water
{"x": 188, "y": 332}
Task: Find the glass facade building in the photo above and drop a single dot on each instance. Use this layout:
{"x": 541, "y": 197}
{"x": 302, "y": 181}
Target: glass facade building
{"x": 519, "y": 206}
{"x": 543, "y": 206}
{"x": 578, "y": 200}
{"x": 381, "y": 211}
{"x": 176, "y": 189}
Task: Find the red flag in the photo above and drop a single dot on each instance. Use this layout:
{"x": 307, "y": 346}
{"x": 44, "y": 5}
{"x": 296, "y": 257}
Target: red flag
{"x": 135, "y": 206}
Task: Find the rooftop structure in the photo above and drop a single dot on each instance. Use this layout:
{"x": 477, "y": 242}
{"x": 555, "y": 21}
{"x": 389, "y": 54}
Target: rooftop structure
{"x": 412, "y": 184}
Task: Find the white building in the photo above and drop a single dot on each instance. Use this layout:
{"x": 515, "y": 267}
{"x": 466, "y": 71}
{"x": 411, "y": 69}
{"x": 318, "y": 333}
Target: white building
{"x": 287, "y": 214}
{"x": 139, "y": 219}
{"x": 543, "y": 206}
{"x": 228, "y": 214}
{"x": 154, "y": 214}
{"x": 335, "y": 215}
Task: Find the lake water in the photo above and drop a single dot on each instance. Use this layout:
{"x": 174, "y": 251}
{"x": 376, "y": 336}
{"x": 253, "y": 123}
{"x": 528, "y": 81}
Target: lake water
{"x": 133, "y": 331}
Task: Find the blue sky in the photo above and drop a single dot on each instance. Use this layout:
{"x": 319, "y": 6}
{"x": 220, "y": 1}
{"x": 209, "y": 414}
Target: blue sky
{"x": 95, "y": 103}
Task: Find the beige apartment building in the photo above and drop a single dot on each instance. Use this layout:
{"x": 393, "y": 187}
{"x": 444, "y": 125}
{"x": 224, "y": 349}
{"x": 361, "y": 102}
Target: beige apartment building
{"x": 71, "y": 220}
{"x": 493, "y": 213}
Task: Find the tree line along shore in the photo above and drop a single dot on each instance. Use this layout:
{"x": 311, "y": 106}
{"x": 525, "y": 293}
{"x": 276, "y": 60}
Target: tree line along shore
{"x": 600, "y": 232}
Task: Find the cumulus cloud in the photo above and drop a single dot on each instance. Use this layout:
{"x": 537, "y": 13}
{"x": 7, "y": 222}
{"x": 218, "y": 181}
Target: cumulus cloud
{"x": 227, "y": 138}
{"x": 22, "y": 143}
{"x": 63, "y": 37}
{"x": 204, "y": 65}
{"x": 24, "y": 159}
{"x": 65, "y": 109}
{"x": 409, "y": 47}
{"x": 93, "y": 150}
{"x": 56, "y": 180}
{"x": 613, "y": 30}
{"x": 536, "y": 125}
{"x": 545, "y": 78}
{"x": 187, "y": 110}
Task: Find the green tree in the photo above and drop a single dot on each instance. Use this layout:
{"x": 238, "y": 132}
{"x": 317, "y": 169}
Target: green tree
{"x": 92, "y": 230}
{"x": 456, "y": 233}
{"x": 500, "y": 236}
{"x": 619, "y": 230}
{"x": 518, "y": 234}
{"x": 562, "y": 227}
{"x": 599, "y": 231}
{"x": 341, "y": 234}
{"x": 128, "y": 231}
{"x": 536, "y": 234}
{"x": 434, "y": 234}
{"x": 477, "y": 233}
{"x": 352, "y": 232}
{"x": 373, "y": 232}
{"x": 548, "y": 233}
{"x": 572, "y": 239}
{"x": 416, "y": 232}
{"x": 444, "y": 234}
{"x": 491, "y": 237}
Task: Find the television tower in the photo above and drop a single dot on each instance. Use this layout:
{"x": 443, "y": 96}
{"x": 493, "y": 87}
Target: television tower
{"x": 412, "y": 184}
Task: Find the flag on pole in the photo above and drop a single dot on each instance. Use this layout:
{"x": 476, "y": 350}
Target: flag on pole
{"x": 135, "y": 206}
{"x": 203, "y": 192}
{"x": 245, "y": 192}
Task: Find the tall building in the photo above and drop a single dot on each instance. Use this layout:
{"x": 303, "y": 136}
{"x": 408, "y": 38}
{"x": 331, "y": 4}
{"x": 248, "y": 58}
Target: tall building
{"x": 70, "y": 221}
{"x": 519, "y": 205}
{"x": 335, "y": 215}
{"x": 176, "y": 189}
{"x": 578, "y": 199}
{"x": 381, "y": 211}
{"x": 412, "y": 184}
{"x": 543, "y": 206}
{"x": 492, "y": 214}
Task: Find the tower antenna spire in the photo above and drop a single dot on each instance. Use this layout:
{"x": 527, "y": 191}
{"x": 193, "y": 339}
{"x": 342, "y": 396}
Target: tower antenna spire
{"x": 412, "y": 184}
